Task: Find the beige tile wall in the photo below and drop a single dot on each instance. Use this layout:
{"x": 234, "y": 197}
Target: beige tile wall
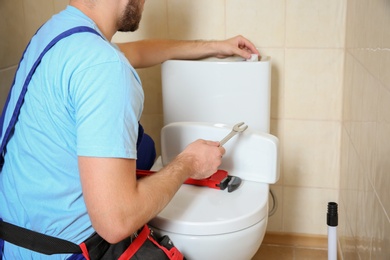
{"x": 365, "y": 152}
{"x": 19, "y": 20}
{"x": 305, "y": 39}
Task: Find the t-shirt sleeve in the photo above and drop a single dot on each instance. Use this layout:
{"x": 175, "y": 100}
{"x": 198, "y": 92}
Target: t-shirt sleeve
{"x": 108, "y": 100}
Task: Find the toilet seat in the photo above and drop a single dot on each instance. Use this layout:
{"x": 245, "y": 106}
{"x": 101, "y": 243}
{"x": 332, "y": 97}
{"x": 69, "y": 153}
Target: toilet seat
{"x": 205, "y": 211}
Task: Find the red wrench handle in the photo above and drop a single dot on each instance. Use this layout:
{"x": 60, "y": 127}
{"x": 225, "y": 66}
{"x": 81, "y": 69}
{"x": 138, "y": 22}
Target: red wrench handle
{"x": 218, "y": 180}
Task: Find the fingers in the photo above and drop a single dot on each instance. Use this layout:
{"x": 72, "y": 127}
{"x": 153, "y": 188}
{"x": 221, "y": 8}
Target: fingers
{"x": 206, "y": 157}
{"x": 237, "y": 45}
{"x": 246, "y": 45}
{"x": 240, "y": 46}
{"x": 222, "y": 150}
{"x": 216, "y": 144}
{"x": 212, "y": 143}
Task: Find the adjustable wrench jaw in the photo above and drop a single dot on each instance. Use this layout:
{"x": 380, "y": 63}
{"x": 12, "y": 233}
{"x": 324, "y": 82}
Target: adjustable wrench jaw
{"x": 230, "y": 182}
{"x": 234, "y": 183}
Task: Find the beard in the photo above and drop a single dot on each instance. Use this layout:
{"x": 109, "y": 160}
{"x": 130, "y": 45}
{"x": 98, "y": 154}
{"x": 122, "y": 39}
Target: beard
{"x": 129, "y": 22}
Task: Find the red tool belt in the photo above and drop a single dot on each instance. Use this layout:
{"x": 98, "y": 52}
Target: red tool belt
{"x": 143, "y": 245}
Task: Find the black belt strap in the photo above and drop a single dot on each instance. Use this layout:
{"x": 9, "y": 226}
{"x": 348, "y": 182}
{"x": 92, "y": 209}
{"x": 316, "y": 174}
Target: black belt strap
{"x": 36, "y": 241}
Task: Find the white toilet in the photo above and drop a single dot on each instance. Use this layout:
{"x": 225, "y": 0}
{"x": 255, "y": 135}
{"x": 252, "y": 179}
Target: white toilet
{"x": 204, "y": 99}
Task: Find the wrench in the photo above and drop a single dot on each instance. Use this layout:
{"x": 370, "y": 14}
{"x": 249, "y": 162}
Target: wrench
{"x": 236, "y": 129}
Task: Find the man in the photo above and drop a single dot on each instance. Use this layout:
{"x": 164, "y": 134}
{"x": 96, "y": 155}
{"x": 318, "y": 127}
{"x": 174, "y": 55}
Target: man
{"x": 70, "y": 163}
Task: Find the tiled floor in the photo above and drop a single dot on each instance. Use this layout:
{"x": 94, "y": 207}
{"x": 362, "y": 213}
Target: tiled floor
{"x": 292, "y": 247}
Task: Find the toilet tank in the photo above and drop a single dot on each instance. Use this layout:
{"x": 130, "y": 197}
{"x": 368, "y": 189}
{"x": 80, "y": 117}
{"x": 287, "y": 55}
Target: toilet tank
{"x": 214, "y": 90}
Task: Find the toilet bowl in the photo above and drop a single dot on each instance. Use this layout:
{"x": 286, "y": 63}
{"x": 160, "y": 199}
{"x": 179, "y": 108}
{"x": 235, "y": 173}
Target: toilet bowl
{"x": 206, "y": 223}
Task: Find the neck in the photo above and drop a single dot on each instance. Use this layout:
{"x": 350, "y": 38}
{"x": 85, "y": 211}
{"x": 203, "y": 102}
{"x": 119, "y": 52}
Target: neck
{"x": 101, "y": 13}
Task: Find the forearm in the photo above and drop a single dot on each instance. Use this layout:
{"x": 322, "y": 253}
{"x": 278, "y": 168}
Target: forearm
{"x": 157, "y": 190}
{"x": 117, "y": 203}
{"x": 148, "y": 53}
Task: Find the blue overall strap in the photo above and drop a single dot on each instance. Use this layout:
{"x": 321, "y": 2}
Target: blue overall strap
{"x": 8, "y": 129}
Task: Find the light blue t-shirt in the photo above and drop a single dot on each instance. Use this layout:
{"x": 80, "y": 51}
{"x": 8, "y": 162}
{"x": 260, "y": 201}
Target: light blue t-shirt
{"x": 84, "y": 99}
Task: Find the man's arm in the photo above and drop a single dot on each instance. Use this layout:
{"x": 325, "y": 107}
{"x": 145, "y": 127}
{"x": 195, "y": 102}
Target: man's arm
{"x": 119, "y": 204}
{"x": 148, "y": 53}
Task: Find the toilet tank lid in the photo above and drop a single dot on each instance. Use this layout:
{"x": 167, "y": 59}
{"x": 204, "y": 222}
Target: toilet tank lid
{"x": 227, "y": 59}
{"x": 204, "y": 211}
{"x": 251, "y": 155}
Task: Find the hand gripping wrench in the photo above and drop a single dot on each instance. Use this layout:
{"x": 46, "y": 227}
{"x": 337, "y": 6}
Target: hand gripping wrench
{"x": 236, "y": 129}
{"x": 219, "y": 180}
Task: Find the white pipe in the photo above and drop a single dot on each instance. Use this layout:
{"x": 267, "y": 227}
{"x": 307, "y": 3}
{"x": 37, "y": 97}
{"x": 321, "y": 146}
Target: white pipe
{"x": 332, "y": 243}
{"x": 332, "y": 221}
